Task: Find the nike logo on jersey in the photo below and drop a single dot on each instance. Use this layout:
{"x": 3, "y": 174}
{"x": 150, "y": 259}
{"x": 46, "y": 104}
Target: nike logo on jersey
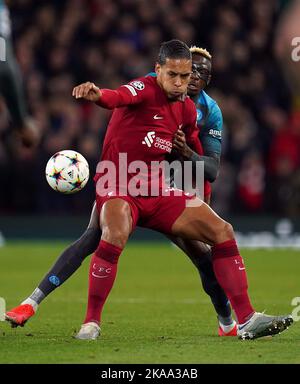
{"x": 156, "y": 117}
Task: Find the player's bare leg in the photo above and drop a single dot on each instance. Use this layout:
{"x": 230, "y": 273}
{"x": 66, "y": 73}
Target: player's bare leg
{"x": 65, "y": 266}
{"x": 116, "y": 224}
{"x": 199, "y": 222}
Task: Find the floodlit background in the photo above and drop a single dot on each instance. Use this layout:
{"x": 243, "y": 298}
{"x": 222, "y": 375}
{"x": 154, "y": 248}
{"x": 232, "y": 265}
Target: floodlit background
{"x": 59, "y": 44}
{"x": 157, "y": 311}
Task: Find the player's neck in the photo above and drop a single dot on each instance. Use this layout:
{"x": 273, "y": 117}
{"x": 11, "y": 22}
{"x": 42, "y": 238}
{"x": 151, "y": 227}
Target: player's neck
{"x": 195, "y": 97}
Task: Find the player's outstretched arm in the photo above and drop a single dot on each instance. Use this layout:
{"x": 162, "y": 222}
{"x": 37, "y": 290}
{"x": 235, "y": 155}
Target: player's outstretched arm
{"x": 88, "y": 91}
{"x": 109, "y": 98}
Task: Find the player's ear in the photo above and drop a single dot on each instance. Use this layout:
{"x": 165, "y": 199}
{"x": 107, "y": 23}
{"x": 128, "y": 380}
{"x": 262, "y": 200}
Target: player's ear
{"x": 157, "y": 68}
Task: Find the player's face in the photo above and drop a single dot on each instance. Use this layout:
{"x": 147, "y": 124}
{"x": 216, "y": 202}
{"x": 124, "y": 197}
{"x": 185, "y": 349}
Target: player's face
{"x": 174, "y": 76}
{"x": 201, "y": 75}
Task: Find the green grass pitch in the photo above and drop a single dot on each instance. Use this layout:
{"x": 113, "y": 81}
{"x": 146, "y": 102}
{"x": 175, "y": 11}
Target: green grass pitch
{"x": 157, "y": 311}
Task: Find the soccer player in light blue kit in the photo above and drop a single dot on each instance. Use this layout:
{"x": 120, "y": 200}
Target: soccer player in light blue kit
{"x": 209, "y": 115}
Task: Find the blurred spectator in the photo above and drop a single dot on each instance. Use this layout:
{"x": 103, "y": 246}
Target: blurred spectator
{"x": 251, "y": 183}
{"x": 61, "y": 43}
{"x": 284, "y": 168}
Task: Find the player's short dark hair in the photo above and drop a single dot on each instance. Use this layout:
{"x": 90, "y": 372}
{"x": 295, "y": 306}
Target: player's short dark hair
{"x": 173, "y": 49}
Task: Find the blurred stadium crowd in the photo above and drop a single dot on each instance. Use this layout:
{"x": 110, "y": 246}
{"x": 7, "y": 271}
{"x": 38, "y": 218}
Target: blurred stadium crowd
{"x": 61, "y": 43}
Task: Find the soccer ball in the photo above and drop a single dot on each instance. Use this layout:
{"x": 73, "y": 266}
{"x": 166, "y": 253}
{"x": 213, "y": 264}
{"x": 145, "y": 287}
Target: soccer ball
{"x": 67, "y": 172}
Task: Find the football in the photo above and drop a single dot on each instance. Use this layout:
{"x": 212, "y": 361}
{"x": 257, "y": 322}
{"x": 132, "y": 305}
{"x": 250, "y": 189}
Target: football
{"x": 67, "y": 172}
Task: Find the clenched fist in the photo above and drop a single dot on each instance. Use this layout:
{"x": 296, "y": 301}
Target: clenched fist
{"x": 180, "y": 145}
{"x": 88, "y": 91}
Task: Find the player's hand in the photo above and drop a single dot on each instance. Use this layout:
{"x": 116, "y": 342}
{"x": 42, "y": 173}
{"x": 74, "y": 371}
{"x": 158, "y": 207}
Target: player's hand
{"x": 180, "y": 145}
{"x": 88, "y": 91}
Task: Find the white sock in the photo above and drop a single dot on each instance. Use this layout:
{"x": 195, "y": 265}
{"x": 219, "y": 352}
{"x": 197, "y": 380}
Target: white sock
{"x": 227, "y": 328}
{"x": 31, "y": 302}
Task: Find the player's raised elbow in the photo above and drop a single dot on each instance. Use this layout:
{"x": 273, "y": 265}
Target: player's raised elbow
{"x": 223, "y": 231}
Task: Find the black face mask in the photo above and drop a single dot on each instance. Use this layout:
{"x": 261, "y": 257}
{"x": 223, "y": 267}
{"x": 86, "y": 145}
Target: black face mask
{"x": 202, "y": 72}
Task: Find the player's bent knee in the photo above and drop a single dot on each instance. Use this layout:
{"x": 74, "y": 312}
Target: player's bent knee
{"x": 115, "y": 237}
{"x": 223, "y": 232}
{"x": 228, "y": 231}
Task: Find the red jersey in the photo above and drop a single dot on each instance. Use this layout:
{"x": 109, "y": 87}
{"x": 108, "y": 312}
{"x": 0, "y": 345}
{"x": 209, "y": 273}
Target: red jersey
{"x": 143, "y": 125}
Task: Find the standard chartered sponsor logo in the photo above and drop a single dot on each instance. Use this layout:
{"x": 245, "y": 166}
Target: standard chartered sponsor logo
{"x": 159, "y": 143}
{"x": 148, "y": 140}
{"x": 2, "y": 49}
{"x": 165, "y": 145}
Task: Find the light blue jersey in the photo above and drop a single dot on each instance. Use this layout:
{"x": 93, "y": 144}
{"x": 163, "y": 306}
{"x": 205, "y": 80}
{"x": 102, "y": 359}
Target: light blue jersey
{"x": 209, "y": 122}
{"x": 4, "y": 20}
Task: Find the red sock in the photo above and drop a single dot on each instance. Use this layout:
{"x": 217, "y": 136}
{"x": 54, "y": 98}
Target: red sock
{"x": 102, "y": 274}
{"x": 231, "y": 274}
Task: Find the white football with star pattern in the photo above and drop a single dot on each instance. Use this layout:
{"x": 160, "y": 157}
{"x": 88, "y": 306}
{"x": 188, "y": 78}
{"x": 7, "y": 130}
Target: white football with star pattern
{"x": 67, "y": 172}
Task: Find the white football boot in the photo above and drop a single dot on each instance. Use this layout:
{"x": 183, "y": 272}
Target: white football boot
{"x": 260, "y": 325}
{"x": 88, "y": 331}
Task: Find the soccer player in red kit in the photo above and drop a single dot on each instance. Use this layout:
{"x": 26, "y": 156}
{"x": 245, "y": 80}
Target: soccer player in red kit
{"x": 140, "y": 128}
{"x": 209, "y": 118}
{"x": 147, "y": 114}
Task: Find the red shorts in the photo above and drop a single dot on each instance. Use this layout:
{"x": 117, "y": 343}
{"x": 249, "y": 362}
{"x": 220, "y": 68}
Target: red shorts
{"x": 158, "y": 212}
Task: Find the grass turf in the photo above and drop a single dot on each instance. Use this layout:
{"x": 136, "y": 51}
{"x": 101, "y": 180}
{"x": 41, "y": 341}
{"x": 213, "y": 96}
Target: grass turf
{"x": 157, "y": 311}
